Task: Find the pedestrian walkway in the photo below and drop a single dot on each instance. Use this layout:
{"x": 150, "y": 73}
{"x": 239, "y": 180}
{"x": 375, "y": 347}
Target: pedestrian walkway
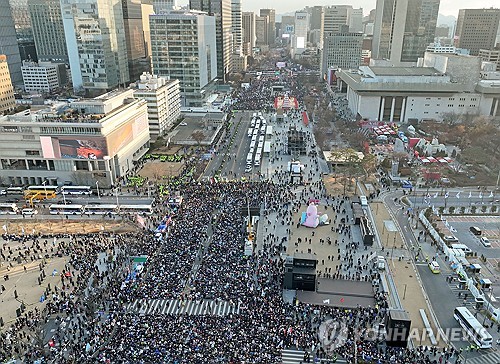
{"x": 291, "y": 356}
{"x": 469, "y": 302}
{"x": 180, "y": 307}
{"x": 490, "y": 358}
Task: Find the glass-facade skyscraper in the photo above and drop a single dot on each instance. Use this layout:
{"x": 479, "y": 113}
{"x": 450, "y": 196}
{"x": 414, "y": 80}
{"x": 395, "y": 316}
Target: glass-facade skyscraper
{"x": 403, "y": 29}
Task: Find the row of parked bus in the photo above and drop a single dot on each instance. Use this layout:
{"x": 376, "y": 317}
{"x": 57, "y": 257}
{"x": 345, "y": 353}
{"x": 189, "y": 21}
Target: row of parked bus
{"x": 46, "y": 192}
{"x": 76, "y": 209}
{"x": 257, "y": 132}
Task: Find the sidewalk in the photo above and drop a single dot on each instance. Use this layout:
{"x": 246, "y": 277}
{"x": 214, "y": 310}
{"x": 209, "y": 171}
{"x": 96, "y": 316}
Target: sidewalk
{"x": 409, "y": 288}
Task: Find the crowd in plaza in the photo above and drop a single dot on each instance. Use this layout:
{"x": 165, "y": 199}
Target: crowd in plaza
{"x": 201, "y": 257}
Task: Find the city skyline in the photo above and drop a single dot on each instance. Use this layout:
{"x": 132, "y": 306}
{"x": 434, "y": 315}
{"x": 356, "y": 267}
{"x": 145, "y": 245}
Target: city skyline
{"x": 447, "y": 7}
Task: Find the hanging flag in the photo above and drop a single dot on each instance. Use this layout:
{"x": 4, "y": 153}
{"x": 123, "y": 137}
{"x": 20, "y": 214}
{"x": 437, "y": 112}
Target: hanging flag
{"x": 491, "y": 194}
{"x": 436, "y": 195}
{"x": 470, "y": 194}
{"x": 22, "y": 229}
{"x": 480, "y": 195}
{"x": 458, "y": 194}
{"x": 446, "y": 195}
{"x": 4, "y": 228}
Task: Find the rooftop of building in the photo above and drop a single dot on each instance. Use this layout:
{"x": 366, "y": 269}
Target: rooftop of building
{"x": 405, "y": 71}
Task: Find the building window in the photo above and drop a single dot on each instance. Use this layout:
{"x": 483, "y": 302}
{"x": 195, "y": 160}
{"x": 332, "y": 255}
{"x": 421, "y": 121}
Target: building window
{"x": 32, "y": 152}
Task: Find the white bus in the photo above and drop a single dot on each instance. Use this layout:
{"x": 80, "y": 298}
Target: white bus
{"x": 136, "y": 209}
{"x": 256, "y": 162}
{"x": 76, "y": 190}
{"x": 8, "y": 209}
{"x": 100, "y": 209}
{"x": 250, "y": 157}
{"x": 14, "y": 191}
{"x": 473, "y": 328}
{"x": 55, "y": 209}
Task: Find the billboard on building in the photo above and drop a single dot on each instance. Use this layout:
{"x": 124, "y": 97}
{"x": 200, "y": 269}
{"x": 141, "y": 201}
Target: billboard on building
{"x": 126, "y": 133}
{"x": 73, "y": 148}
{"x": 301, "y": 42}
{"x": 280, "y": 64}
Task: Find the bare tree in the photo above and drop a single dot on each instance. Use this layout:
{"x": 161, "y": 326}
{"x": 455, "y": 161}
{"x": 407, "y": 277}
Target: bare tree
{"x": 198, "y": 136}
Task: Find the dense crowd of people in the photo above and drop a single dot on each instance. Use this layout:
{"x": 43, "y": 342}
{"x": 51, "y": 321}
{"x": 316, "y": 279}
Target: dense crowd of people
{"x": 201, "y": 257}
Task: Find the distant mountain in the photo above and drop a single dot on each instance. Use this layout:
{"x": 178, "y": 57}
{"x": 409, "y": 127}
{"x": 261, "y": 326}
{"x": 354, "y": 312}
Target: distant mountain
{"x": 448, "y": 20}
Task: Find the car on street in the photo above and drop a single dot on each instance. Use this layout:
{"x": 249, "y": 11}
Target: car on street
{"x": 434, "y": 267}
{"x": 450, "y": 239}
{"x": 183, "y": 124}
{"x": 485, "y": 241}
{"x": 29, "y": 212}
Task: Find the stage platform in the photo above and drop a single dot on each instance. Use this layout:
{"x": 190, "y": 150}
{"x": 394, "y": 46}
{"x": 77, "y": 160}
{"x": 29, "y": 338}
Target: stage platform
{"x": 339, "y": 293}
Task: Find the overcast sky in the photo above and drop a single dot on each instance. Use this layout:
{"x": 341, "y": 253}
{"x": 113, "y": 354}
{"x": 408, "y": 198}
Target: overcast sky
{"x": 447, "y": 7}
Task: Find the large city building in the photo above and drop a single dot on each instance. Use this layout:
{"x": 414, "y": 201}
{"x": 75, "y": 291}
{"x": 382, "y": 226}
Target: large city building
{"x": 8, "y": 43}
{"x": 248, "y": 25}
{"x": 94, "y": 140}
{"x": 236, "y": 26}
{"x": 42, "y": 76}
{"x": 355, "y": 20}
{"x": 335, "y": 20}
{"x": 163, "y": 100}
{"x": 477, "y": 29}
{"x": 137, "y": 54}
{"x": 48, "y": 30}
{"x": 24, "y": 33}
{"x": 184, "y": 48}
{"x": 446, "y": 84}
{"x": 261, "y": 31}
{"x": 221, "y": 10}
{"x": 342, "y": 50}
{"x": 403, "y": 29}
{"x": 160, "y": 6}
{"x": 316, "y": 16}
{"x": 97, "y": 50}
{"x": 300, "y": 33}
{"x": 271, "y": 24}
{"x": 7, "y": 101}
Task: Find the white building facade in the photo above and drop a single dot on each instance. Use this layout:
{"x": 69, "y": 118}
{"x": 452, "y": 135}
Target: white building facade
{"x": 40, "y": 77}
{"x": 97, "y": 139}
{"x": 184, "y": 48}
{"x": 163, "y": 100}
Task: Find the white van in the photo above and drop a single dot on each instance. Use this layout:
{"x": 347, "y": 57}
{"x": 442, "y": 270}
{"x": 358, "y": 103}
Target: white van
{"x": 363, "y": 200}
{"x": 380, "y": 262}
{"x": 29, "y": 212}
{"x": 468, "y": 251}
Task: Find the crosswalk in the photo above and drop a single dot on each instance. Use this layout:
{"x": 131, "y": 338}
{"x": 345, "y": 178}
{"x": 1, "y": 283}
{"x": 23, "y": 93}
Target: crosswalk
{"x": 182, "y": 307}
{"x": 470, "y": 298}
{"x": 490, "y": 358}
{"x": 290, "y": 356}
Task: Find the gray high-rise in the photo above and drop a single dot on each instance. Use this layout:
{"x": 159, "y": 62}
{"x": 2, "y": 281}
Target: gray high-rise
{"x": 271, "y": 24}
{"x": 8, "y": 43}
{"x": 221, "y": 9}
{"x": 477, "y": 29}
{"x": 48, "y": 30}
{"x": 403, "y": 29}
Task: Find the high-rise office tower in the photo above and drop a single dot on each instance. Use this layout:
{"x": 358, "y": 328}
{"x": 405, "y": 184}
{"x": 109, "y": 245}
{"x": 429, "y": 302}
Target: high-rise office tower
{"x": 477, "y": 29}
{"x": 355, "y": 20}
{"x": 236, "y": 26}
{"x": 138, "y": 59}
{"x": 8, "y": 43}
{"x": 24, "y": 34}
{"x": 164, "y": 5}
{"x": 248, "y": 25}
{"x": 403, "y": 29}
{"x": 261, "y": 30}
{"x": 184, "y": 47}
{"x": 7, "y": 100}
{"x": 315, "y": 16}
{"x": 335, "y": 20}
{"x": 48, "y": 30}
{"x": 97, "y": 49}
{"x": 271, "y": 24}
{"x": 342, "y": 50}
{"x": 221, "y": 9}
{"x": 301, "y": 32}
